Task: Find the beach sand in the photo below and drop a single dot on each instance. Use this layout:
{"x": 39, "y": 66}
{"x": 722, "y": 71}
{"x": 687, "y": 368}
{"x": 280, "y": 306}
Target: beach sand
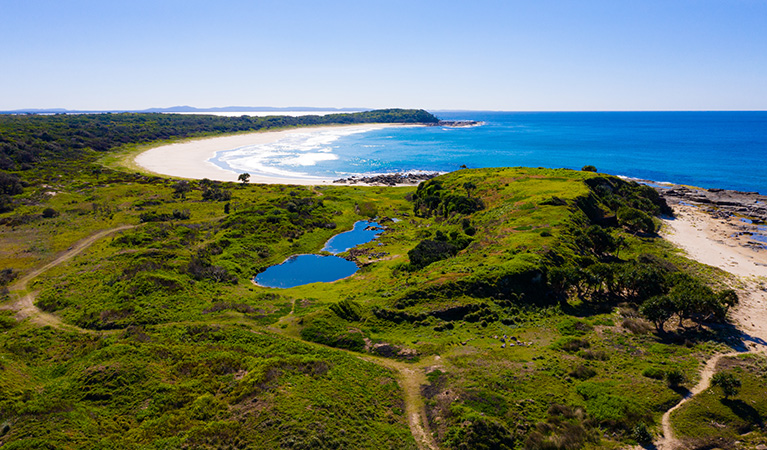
{"x": 189, "y": 159}
{"x": 709, "y": 240}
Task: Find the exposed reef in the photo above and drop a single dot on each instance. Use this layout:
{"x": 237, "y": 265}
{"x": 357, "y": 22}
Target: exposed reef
{"x": 455, "y": 123}
{"x": 389, "y": 179}
{"x": 721, "y": 202}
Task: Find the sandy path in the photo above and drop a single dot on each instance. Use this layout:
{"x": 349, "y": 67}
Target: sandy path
{"x": 669, "y": 441}
{"x": 707, "y": 240}
{"x": 25, "y": 305}
{"x": 411, "y": 378}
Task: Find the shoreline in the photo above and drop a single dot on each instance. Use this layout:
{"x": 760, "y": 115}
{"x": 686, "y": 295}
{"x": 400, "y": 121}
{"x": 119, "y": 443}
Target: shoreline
{"x": 713, "y": 240}
{"x": 190, "y": 159}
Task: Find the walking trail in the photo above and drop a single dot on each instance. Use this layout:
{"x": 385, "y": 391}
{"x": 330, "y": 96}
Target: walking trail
{"x": 702, "y": 237}
{"x": 25, "y": 304}
{"x": 409, "y": 376}
{"x": 706, "y": 240}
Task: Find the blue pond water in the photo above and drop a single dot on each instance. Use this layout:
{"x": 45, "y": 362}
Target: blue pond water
{"x": 304, "y": 269}
{"x": 350, "y": 239}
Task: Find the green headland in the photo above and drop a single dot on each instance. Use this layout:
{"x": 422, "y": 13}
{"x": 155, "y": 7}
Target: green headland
{"x": 508, "y": 308}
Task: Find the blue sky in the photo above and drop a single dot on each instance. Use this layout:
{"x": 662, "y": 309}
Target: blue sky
{"x": 485, "y": 55}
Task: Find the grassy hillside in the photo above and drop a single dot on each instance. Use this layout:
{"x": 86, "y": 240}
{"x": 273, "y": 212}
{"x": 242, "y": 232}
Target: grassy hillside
{"x": 510, "y": 308}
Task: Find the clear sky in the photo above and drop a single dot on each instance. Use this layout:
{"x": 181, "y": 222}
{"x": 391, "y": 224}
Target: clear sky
{"x": 510, "y": 55}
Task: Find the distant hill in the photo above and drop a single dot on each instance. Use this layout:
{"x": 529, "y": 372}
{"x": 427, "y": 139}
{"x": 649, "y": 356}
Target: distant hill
{"x": 182, "y": 109}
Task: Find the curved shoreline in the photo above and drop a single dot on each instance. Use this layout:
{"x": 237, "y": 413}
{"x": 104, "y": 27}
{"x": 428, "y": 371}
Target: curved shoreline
{"x": 191, "y": 159}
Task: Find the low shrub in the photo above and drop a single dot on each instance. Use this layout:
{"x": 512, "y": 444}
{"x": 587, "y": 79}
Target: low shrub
{"x": 636, "y": 326}
{"x": 571, "y": 326}
{"x": 674, "y": 377}
{"x": 570, "y": 344}
{"x": 583, "y": 372}
{"x": 654, "y": 373}
{"x": 49, "y": 213}
{"x": 594, "y": 355}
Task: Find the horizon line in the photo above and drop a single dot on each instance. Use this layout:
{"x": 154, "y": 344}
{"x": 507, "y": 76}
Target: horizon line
{"x": 340, "y": 110}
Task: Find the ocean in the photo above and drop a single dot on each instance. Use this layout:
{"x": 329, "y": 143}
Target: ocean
{"x": 706, "y": 149}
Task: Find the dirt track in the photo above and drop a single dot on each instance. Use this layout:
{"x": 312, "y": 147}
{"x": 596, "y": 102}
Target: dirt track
{"x": 25, "y": 303}
{"x": 409, "y": 376}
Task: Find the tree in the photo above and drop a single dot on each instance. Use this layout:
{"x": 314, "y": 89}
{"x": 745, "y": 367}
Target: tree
{"x": 696, "y": 301}
{"x": 427, "y": 252}
{"x": 600, "y": 240}
{"x": 181, "y": 188}
{"x": 10, "y": 184}
{"x": 635, "y": 220}
{"x": 589, "y": 168}
{"x": 244, "y": 177}
{"x": 728, "y": 382}
{"x": 49, "y": 213}
{"x": 658, "y": 310}
{"x": 469, "y": 186}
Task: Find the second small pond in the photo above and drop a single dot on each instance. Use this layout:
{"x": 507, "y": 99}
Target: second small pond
{"x": 304, "y": 269}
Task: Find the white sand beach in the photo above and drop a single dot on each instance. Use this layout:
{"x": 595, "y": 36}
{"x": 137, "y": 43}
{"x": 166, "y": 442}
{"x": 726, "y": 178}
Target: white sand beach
{"x": 190, "y": 159}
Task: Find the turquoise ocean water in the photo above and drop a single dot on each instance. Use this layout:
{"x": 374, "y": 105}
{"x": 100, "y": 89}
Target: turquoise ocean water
{"x": 707, "y": 149}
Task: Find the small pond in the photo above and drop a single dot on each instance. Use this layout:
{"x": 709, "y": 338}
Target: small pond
{"x": 362, "y": 233}
{"x": 304, "y": 269}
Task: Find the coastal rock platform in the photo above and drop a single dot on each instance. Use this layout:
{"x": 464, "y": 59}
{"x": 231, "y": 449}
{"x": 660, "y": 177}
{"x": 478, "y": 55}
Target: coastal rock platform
{"x": 721, "y": 202}
{"x": 389, "y": 179}
{"x": 736, "y": 218}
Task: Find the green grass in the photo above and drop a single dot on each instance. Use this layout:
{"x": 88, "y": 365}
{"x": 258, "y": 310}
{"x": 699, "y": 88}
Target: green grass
{"x": 155, "y": 387}
{"x": 710, "y": 418}
{"x": 196, "y": 355}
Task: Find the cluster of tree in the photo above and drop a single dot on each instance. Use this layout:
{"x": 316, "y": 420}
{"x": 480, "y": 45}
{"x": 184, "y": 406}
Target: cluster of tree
{"x": 651, "y": 283}
{"x": 433, "y": 199}
{"x": 689, "y": 299}
{"x": 661, "y": 292}
{"x": 615, "y": 194}
{"x": 153, "y": 216}
{"x": 29, "y": 139}
{"x": 10, "y": 185}
{"x": 442, "y": 246}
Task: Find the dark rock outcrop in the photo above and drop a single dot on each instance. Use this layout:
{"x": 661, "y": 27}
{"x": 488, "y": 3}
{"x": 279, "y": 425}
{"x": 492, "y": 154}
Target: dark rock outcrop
{"x": 389, "y": 179}
{"x": 721, "y": 202}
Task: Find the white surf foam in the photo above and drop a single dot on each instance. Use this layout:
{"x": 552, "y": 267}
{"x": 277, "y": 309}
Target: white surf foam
{"x": 282, "y": 157}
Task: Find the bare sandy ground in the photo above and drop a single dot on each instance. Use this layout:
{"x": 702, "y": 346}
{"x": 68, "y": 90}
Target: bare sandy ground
{"x": 714, "y": 241}
{"x": 709, "y": 240}
{"x": 189, "y": 159}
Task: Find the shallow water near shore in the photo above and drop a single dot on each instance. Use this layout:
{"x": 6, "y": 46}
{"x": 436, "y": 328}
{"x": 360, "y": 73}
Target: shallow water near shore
{"x": 709, "y": 149}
